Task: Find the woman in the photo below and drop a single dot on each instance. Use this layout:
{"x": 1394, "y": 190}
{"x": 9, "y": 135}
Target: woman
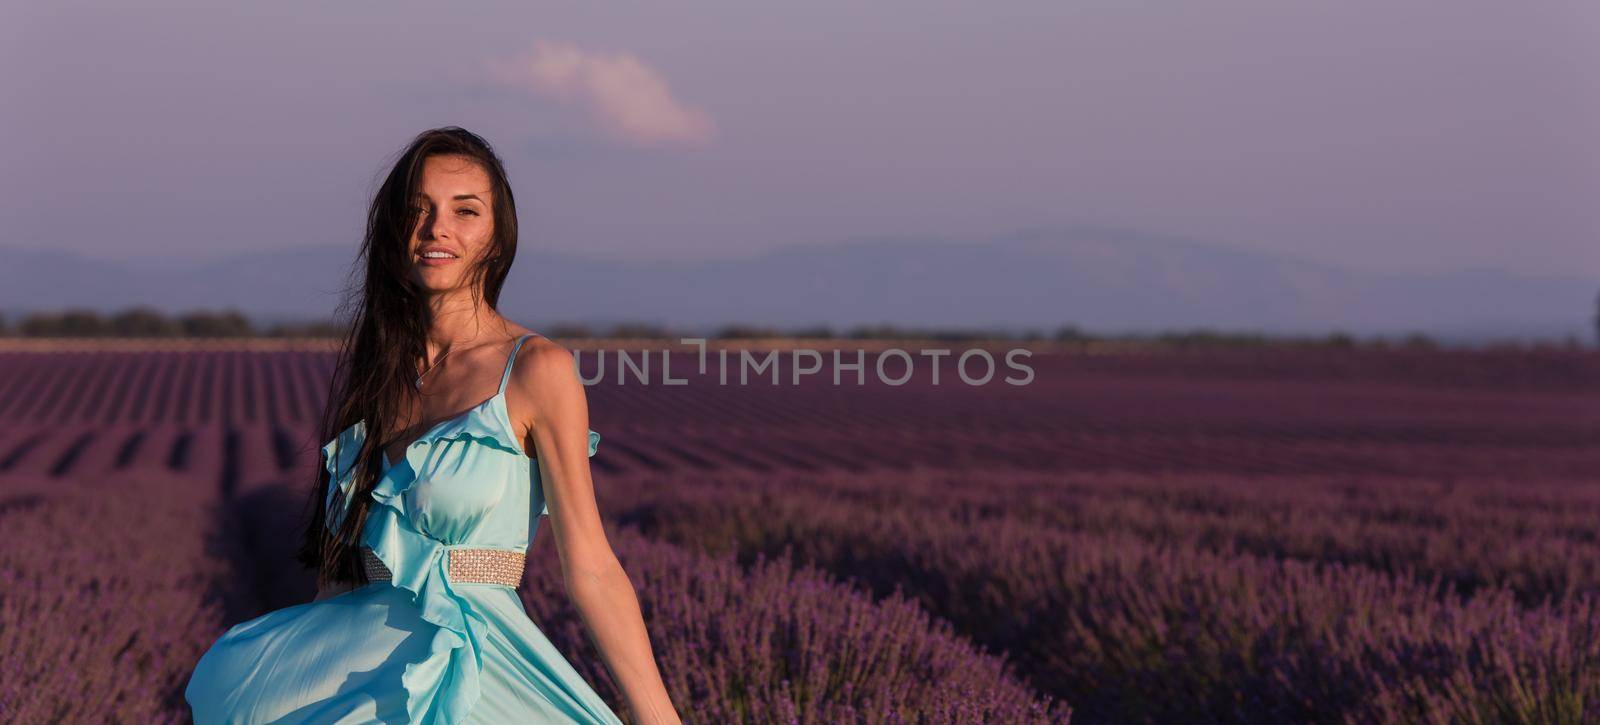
{"x": 418, "y": 555}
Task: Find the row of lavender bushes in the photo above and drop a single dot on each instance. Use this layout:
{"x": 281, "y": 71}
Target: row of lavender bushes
{"x": 109, "y": 592}
{"x": 1133, "y": 627}
{"x": 1536, "y": 539}
{"x": 773, "y": 643}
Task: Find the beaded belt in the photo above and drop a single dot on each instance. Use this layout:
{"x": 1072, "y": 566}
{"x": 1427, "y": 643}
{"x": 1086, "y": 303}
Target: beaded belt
{"x": 481, "y": 566}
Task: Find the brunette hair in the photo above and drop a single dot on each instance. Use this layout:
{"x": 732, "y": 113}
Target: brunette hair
{"x": 384, "y": 340}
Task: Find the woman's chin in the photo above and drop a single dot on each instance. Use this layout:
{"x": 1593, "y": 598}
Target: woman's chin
{"x": 436, "y": 282}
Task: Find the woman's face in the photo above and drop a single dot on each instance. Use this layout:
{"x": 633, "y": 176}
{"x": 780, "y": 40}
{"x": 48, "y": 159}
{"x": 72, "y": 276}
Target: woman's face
{"x": 455, "y": 222}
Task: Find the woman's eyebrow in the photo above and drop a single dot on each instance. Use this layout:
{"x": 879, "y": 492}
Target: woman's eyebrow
{"x": 422, "y": 196}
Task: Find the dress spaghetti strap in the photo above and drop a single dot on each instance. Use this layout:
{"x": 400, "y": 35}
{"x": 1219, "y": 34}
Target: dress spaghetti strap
{"x": 505, "y": 377}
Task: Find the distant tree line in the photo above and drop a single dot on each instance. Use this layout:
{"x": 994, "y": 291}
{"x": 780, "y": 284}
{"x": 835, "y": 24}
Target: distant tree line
{"x": 148, "y": 322}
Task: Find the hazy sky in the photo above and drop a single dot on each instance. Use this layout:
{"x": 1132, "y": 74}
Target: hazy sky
{"x": 1373, "y": 133}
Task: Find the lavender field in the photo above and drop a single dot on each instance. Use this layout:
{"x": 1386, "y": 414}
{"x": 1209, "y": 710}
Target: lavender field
{"x": 1265, "y": 535}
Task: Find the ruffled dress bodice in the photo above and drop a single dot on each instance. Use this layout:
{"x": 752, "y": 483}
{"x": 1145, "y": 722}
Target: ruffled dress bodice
{"x": 467, "y": 480}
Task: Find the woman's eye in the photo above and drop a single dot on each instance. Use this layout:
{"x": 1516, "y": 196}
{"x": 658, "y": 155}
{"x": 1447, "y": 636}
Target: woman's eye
{"x": 467, "y": 211}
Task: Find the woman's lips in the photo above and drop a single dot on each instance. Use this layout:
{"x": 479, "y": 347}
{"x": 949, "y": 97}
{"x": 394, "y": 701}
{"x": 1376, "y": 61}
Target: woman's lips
{"x": 436, "y": 261}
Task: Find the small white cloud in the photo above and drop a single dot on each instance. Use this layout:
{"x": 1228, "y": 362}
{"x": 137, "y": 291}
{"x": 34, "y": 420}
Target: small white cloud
{"x": 630, "y": 100}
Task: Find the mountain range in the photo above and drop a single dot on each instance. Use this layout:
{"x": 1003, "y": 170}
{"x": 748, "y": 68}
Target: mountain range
{"x": 1100, "y": 280}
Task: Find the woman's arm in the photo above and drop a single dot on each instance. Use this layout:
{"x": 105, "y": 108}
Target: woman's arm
{"x": 594, "y": 578}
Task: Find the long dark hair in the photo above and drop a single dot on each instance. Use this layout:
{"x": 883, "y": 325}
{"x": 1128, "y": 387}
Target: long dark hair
{"x": 384, "y": 342}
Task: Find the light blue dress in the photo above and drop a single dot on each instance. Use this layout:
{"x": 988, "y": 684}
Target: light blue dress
{"x": 418, "y": 648}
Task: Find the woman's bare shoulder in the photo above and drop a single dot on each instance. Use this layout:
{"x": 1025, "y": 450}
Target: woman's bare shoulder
{"x": 545, "y": 371}
{"x": 544, "y": 383}
{"x": 542, "y": 362}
